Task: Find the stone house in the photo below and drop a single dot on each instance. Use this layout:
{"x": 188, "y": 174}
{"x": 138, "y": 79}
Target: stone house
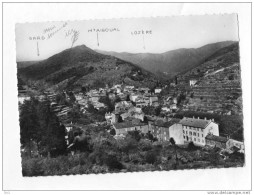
{"x": 163, "y": 131}
{"x": 216, "y": 141}
{"x": 124, "y": 127}
{"x": 234, "y": 143}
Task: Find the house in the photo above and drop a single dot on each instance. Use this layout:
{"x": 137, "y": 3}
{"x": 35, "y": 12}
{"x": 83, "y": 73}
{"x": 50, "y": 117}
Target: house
{"x": 123, "y": 106}
{"x": 134, "y": 96}
{"x": 124, "y": 127}
{"x": 157, "y": 90}
{"x": 193, "y": 82}
{"x": 165, "y": 109}
{"x": 216, "y": 141}
{"x": 173, "y": 107}
{"x": 234, "y": 143}
{"x": 163, "y": 131}
{"x": 145, "y": 89}
{"x": 134, "y": 112}
{"x": 99, "y": 105}
{"x": 128, "y": 88}
{"x": 21, "y": 99}
{"x": 79, "y": 96}
{"x": 95, "y": 98}
{"x": 196, "y": 129}
{"x": 175, "y": 100}
{"x": 115, "y": 117}
{"x": 108, "y": 117}
{"x": 153, "y": 100}
{"x": 141, "y": 104}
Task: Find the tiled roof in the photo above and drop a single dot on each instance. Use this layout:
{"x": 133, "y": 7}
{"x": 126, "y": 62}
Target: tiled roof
{"x": 160, "y": 123}
{"x": 193, "y": 122}
{"x": 216, "y": 138}
{"x": 127, "y": 125}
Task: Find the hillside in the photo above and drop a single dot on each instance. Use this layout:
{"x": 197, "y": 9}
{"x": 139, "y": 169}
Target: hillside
{"x": 25, "y": 64}
{"x": 218, "y": 87}
{"x": 172, "y": 62}
{"x": 81, "y": 66}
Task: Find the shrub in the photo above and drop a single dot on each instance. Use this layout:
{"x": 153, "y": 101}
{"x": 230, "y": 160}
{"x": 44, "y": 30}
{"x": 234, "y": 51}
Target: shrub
{"x": 32, "y": 167}
{"x": 150, "y": 157}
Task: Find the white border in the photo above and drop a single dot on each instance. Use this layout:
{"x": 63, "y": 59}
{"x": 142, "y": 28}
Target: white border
{"x": 214, "y": 179}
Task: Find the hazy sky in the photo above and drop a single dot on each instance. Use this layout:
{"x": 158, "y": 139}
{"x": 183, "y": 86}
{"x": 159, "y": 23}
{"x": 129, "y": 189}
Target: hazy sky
{"x": 163, "y": 34}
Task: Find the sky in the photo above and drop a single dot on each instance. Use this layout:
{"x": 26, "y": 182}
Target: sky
{"x": 38, "y": 41}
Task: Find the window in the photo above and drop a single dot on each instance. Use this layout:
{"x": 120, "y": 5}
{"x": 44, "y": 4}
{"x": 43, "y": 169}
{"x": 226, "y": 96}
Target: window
{"x": 183, "y": 132}
{"x": 194, "y": 139}
{"x": 198, "y": 134}
{"x": 190, "y": 133}
{"x": 202, "y": 130}
{"x": 183, "y": 137}
{"x": 198, "y": 140}
{"x": 165, "y": 138}
{"x": 194, "y": 133}
{"x": 202, "y": 135}
{"x": 202, "y": 141}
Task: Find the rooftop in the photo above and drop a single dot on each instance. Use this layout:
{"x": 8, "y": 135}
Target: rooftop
{"x": 128, "y": 124}
{"x": 161, "y": 123}
{"x": 216, "y": 138}
{"x": 194, "y": 122}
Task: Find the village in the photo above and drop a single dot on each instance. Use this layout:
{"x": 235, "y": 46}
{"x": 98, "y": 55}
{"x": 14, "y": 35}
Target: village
{"x": 134, "y": 109}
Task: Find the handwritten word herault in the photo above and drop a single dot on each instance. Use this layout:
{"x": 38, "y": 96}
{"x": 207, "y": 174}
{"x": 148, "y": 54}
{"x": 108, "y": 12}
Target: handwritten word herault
{"x": 46, "y": 30}
{"x": 104, "y": 30}
{"x": 50, "y": 35}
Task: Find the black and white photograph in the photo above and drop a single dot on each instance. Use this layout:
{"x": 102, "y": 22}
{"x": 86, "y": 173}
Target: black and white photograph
{"x": 130, "y": 95}
{"x": 126, "y": 96}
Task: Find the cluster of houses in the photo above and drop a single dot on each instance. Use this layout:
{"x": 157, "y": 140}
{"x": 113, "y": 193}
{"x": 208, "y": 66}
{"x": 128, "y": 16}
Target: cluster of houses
{"x": 128, "y": 116}
{"x": 202, "y": 132}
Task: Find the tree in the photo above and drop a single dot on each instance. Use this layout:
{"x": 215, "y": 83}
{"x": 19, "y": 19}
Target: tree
{"x": 105, "y": 100}
{"x": 134, "y": 134}
{"x": 172, "y": 141}
{"x": 191, "y": 146}
{"x": 150, "y": 136}
{"x": 90, "y": 108}
{"x": 158, "y": 110}
{"x": 29, "y": 125}
{"x": 74, "y": 114}
{"x": 53, "y": 134}
{"x": 117, "y": 99}
{"x": 150, "y": 157}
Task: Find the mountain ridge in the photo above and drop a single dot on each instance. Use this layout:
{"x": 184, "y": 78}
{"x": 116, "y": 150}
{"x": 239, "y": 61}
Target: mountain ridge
{"x": 80, "y": 65}
{"x": 172, "y": 62}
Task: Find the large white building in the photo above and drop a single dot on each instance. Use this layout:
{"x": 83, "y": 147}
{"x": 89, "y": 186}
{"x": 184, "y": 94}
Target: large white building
{"x": 195, "y": 130}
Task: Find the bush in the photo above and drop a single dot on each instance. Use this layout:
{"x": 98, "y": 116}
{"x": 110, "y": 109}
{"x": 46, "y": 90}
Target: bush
{"x": 150, "y": 157}
{"x": 112, "y": 162}
{"x": 32, "y": 167}
{"x": 191, "y": 146}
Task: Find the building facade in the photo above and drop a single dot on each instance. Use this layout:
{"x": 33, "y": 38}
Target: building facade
{"x": 163, "y": 131}
{"x": 195, "y": 130}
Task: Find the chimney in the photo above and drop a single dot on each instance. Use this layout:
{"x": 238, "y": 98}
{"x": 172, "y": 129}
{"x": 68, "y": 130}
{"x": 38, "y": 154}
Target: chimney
{"x": 213, "y": 120}
{"x": 198, "y": 117}
{"x": 205, "y": 118}
{"x": 193, "y": 117}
